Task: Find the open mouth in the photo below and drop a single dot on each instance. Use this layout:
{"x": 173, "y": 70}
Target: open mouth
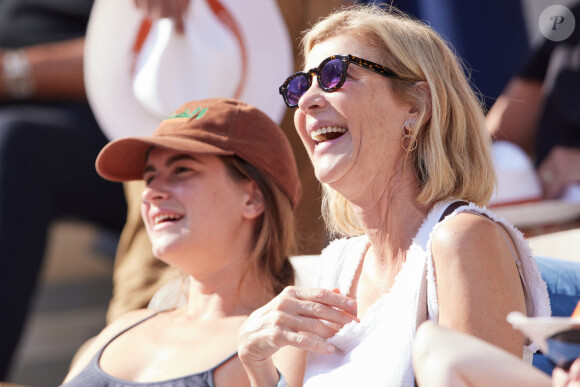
{"x": 167, "y": 218}
{"x": 327, "y": 133}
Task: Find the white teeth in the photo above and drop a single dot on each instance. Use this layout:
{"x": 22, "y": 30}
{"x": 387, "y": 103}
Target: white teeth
{"x": 317, "y": 135}
{"x": 161, "y": 218}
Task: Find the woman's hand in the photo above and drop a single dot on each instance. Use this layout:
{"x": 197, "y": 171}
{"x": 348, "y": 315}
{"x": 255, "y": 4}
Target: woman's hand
{"x": 559, "y": 170}
{"x": 561, "y": 378}
{"x": 300, "y": 317}
{"x": 158, "y": 9}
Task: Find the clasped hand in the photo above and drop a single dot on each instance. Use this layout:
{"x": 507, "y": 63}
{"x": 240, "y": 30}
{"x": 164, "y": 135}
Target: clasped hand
{"x": 559, "y": 170}
{"x": 300, "y": 317}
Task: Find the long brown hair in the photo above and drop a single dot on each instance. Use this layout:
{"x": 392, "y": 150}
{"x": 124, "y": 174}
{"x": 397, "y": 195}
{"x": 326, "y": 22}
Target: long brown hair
{"x": 274, "y": 235}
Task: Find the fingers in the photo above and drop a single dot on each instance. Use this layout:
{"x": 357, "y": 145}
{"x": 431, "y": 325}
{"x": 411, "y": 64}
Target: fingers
{"x": 575, "y": 370}
{"x": 159, "y": 9}
{"x": 176, "y": 10}
{"x": 308, "y": 325}
{"x": 571, "y": 378}
{"x": 315, "y": 310}
{"x": 559, "y": 377}
{"x": 310, "y": 343}
{"x": 324, "y": 303}
{"x": 290, "y": 330}
{"x": 301, "y": 317}
{"x": 558, "y": 170}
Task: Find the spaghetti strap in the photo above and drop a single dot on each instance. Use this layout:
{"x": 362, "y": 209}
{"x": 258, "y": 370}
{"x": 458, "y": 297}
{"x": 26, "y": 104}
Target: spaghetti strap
{"x": 97, "y": 357}
{"x": 224, "y": 361}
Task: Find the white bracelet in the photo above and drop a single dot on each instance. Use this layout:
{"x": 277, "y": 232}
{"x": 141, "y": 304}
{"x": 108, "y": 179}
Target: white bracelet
{"x": 16, "y": 74}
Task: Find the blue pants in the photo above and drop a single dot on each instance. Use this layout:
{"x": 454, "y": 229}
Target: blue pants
{"x": 47, "y": 172}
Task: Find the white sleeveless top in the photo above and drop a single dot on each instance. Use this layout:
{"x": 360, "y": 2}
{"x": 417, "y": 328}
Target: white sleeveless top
{"x": 377, "y": 351}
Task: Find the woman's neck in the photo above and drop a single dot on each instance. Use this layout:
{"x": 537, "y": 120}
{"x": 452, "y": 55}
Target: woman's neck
{"x": 391, "y": 221}
{"x": 223, "y": 296}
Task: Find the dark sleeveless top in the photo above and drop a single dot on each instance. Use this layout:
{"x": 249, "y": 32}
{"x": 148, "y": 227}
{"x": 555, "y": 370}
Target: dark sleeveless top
{"x": 94, "y": 376}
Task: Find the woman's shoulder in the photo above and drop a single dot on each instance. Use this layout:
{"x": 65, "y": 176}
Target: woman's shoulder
{"x": 473, "y": 240}
{"x": 471, "y": 229}
{"x": 92, "y": 347}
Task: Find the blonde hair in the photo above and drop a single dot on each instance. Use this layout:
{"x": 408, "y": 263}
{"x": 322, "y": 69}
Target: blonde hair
{"x": 453, "y": 153}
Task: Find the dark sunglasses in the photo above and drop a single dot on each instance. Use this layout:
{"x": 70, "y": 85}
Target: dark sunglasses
{"x": 331, "y": 74}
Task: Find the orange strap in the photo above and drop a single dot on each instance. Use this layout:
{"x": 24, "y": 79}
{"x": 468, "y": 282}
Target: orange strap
{"x": 228, "y": 20}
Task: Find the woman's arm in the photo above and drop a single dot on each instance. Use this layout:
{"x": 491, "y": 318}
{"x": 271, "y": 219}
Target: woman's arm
{"x": 513, "y": 116}
{"x": 56, "y": 70}
{"x": 443, "y": 357}
{"x": 478, "y": 283}
{"x": 298, "y": 317}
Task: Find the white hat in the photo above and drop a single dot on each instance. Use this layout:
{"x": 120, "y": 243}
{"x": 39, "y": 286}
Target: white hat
{"x": 137, "y": 73}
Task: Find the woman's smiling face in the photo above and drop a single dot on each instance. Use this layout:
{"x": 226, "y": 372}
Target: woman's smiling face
{"x": 364, "y": 117}
{"x": 191, "y": 205}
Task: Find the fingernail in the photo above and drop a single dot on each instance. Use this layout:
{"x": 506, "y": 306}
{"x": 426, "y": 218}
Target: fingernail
{"x": 330, "y": 348}
{"x": 350, "y": 303}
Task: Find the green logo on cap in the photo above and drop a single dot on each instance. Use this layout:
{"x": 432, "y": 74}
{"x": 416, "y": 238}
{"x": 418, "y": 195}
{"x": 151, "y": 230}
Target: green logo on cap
{"x": 187, "y": 113}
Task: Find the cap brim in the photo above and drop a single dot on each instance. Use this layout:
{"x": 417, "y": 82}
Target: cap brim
{"x": 125, "y": 159}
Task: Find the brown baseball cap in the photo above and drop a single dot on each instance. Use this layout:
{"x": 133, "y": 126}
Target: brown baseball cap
{"x": 218, "y": 126}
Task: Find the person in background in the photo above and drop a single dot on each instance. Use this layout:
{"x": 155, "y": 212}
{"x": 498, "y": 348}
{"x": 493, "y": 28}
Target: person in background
{"x": 538, "y": 110}
{"x": 569, "y": 378}
{"x": 397, "y": 138}
{"x": 442, "y": 358}
{"x": 48, "y": 142}
{"x": 138, "y": 275}
{"x": 221, "y": 187}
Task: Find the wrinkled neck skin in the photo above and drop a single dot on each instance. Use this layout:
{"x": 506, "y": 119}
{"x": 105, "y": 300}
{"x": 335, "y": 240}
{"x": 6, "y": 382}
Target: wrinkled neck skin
{"x": 391, "y": 216}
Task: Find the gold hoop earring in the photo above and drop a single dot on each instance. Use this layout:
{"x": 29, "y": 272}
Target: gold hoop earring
{"x": 407, "y": 136}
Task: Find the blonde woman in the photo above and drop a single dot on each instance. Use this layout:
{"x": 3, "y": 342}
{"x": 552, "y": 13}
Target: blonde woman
{"x": 221, "y": 186}
{"x": 397, "y": 138}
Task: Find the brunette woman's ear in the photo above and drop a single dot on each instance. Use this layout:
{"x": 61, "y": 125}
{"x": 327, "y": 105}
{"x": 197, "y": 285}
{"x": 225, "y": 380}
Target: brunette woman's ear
{"x": 254, "y": 205}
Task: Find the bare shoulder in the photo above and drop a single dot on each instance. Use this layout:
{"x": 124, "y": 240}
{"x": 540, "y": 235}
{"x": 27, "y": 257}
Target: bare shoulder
{"x": 468, "y": 237}
{"x": 89, "y": 350}
{"x": 478, "y": 282}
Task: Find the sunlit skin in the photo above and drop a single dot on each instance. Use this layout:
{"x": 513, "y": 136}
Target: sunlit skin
{"x": 366, "y": 164}
{"x": 477, "y": 279}
{"x": 196, "y": 228}
{"x": 372, "y": 143}
{"x": 201, "y": 220}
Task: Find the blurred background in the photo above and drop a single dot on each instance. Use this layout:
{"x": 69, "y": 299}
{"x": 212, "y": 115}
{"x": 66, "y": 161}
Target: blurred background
{"x": 75, "y": 287}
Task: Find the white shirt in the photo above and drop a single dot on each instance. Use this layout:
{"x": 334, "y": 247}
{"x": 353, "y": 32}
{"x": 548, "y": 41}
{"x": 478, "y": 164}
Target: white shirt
{"x": 377, "y": 351}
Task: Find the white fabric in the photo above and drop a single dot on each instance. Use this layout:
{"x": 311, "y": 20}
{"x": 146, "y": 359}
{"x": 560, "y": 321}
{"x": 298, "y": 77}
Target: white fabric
{"x": 377, "y": 351}
{"x": 172, "y": 69}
